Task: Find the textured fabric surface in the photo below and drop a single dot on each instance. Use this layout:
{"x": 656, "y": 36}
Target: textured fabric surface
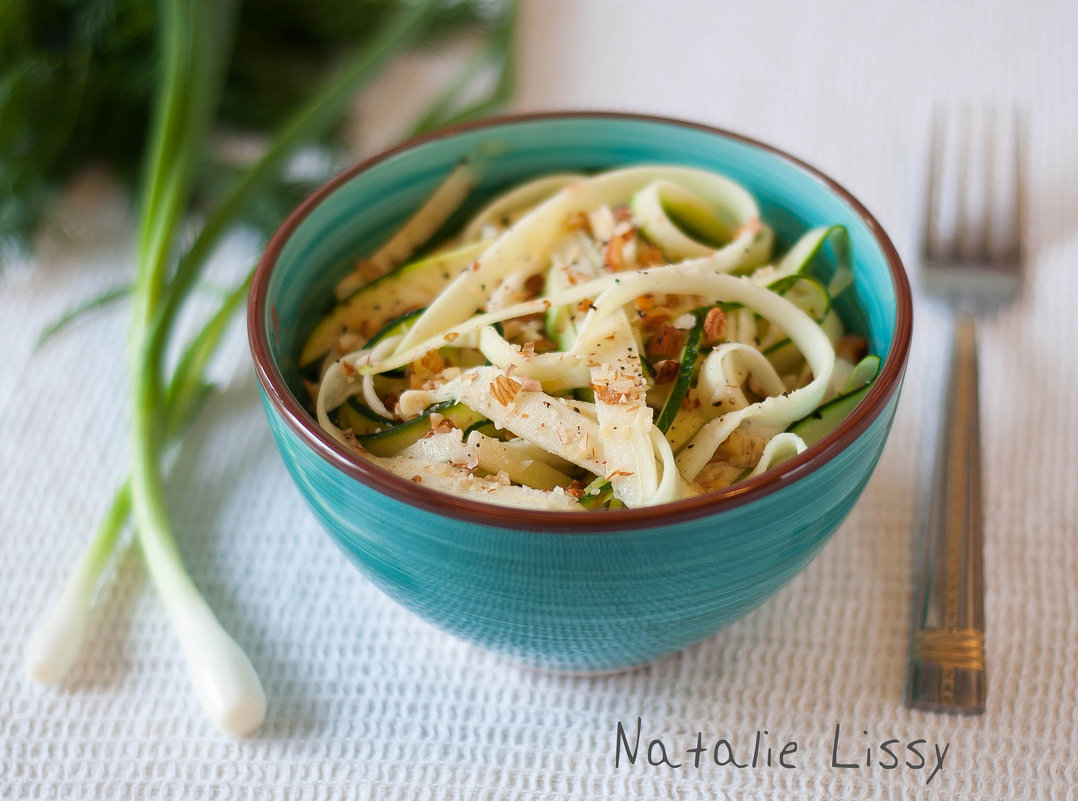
{"x": 365, "y": 700}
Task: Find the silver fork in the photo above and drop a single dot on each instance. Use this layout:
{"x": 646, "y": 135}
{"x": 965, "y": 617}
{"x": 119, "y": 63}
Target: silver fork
{"x": 972, "y": 261}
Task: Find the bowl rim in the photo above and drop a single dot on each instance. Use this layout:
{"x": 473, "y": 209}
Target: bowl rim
{"x": 289, "y": 409}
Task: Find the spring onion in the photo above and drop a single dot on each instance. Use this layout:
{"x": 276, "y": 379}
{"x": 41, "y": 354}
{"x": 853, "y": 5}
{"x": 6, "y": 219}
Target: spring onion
{"x": 195, "y": 42}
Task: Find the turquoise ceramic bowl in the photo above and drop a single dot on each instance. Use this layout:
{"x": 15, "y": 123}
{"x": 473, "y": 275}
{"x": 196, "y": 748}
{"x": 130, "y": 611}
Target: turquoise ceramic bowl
{"x": 571, "y": 591}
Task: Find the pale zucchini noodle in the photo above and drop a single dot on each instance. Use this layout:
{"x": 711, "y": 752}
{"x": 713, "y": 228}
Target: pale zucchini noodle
{"x": 620, "y": 340}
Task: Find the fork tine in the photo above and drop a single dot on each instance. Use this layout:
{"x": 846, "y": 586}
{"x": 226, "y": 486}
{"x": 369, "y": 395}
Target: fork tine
{"x": 1005, "y": 230}
{"x": 974, "y": 205}
{"x": 975, "y": 131}
{"x": 929, "y": 225}
{"x": 944, "y": 221}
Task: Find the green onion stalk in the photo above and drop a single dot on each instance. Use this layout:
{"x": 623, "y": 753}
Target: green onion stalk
{"x": 195, "y": 39}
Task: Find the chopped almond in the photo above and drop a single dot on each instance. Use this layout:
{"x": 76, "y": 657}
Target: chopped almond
{"x": 666, "y": 342}
{"x": 428, "y": 364}
{"x": 714, "y": 326}
{"x": 690, "y": 401}
{"x": 666, "y": 371}
{"x": 534, "y": 284}
{"x": 655, "y": 318}
{"x": 444, "y": 427}
{"x": 647, "y": 255}
{"x": 607, "y": 394}
{"x": 644, "y": 303}
{"x": 577, "y": 221}
{"x": 504, "y": 389}
{"x": 614, "y": 254}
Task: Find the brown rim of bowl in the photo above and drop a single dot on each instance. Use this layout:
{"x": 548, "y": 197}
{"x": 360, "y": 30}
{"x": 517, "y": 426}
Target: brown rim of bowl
{"x": 297, "y": 418}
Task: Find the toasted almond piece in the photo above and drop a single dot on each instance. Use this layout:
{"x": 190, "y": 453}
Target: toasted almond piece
{"x": 666, "y": 371}
{"x": 534, "y": 284}
{"x": 577, "y": 221}
{"x": 608, "y": 395}
{"x": 666, "y": 342}
{"x": 428, "y": 364}
{"x": 504, "y": 389}
{"x": 648, "y": 255}
{"x": 614, "y": 255}
{"x": 645, "y": 303}
{"x": 656, "y": 318}
{"x": 714, "y": 326}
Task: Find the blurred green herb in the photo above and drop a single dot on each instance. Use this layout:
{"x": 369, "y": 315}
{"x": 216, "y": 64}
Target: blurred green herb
{"x": 77, "y": 79}
{"x": 203, "y": 77}
{"x": 88, "y": 305}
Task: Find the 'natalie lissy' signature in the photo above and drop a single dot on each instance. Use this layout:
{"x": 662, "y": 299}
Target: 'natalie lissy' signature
{"x": 845, "y": 752}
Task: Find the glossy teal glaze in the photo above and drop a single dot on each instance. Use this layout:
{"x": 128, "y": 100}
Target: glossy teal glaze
{"x": 564, "y": 600}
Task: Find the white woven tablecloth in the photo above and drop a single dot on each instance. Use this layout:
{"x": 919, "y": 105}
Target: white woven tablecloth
{"x": 367, "y": 701}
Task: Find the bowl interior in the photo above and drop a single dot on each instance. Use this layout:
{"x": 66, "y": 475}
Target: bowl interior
{"x": 352, "y": 217}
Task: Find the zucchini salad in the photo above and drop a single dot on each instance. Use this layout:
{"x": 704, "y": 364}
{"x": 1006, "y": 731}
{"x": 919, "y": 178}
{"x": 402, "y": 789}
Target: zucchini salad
{"x": 599, "y": 341}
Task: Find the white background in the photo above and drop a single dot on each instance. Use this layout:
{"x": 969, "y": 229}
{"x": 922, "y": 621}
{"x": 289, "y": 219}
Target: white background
{"x": 366, "y": 700}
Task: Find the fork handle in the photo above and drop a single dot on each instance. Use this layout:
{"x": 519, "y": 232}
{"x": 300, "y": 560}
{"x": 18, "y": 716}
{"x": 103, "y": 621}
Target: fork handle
{"x": 947, "y": 671}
